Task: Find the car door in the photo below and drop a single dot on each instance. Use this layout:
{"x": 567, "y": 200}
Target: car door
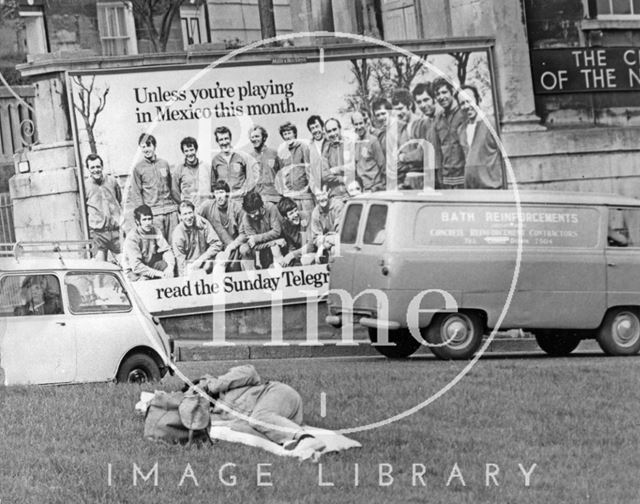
{"x": 104, "y": 322}
{"x": 37, "y": 344}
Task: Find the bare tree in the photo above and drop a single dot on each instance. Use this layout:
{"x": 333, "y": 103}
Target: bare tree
{"x": 462, "y": 58}
{"x": 156, "y": 17}
{"x": 83, "y": 105}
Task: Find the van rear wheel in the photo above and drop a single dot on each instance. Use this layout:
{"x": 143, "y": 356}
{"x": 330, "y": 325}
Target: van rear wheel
{"x": 557, "y": 345}
{"x": 454, "y": 336}
{"x": 138, "y": 368}
{"x": 406, "y": 344}
{"x": 620, "y": 332}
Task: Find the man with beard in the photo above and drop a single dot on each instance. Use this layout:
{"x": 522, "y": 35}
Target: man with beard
{"x": 103, "y": 197}
{"x": 260, "y": 230}
{"x": 369, "y": 158}
{"x": 448, "y": 127}
{"x": 414, "y": 139}
{"x": 147, "y": 253}
{"x": 151, "y": 186}
{"x": 294, "y": 158}
{"x": 269, "y": 164}
{"x": 295, "y": 246}
{"x": 317, "y": 167}
{"x": 338, "y": 156}
{"x": 225, "y": 216}
{"x": 191, "y": 180}
{"x": 325, "y": 219}
{"x": 483, "y": 162}
{"x": 195, "y": 243}
{"x": 238, "y": 170}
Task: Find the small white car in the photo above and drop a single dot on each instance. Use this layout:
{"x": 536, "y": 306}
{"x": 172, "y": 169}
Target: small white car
{"x": 75, "y": 321}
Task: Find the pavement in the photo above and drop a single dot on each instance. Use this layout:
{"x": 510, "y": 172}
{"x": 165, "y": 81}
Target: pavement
{"x": 197, "y": 350}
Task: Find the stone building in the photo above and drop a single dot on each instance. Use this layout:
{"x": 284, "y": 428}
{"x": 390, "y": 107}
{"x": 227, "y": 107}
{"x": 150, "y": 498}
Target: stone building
{"x": 579, "y": 137}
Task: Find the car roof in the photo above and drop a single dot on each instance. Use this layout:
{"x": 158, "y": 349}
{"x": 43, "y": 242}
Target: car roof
{"x": 501, "y": 196}
{"x": 48, "y": 263}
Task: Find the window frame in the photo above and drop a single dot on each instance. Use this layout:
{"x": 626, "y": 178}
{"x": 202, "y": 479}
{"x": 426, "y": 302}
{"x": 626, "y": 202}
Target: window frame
{"x": 366, "y": 224}
{"x": 611, "y": 16}
{"x": 129, "y": 25}
{"x": 23, "y": 275}
{"x": 357, "y": 228}
{"x": 96, "y": 311}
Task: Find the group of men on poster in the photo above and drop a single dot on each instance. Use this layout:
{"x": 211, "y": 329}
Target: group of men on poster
{"x": 252, "y": 209}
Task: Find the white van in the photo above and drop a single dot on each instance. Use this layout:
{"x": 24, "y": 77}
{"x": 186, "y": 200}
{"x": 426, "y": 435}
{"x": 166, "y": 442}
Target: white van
{"x": 74, "y": 321}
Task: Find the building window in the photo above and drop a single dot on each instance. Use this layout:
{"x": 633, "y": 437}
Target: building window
{"x": 612, "y": 9}
{"x": 35, "y": 32}
{"x": 194, "y": 25}
{"x": 117, "y": 28}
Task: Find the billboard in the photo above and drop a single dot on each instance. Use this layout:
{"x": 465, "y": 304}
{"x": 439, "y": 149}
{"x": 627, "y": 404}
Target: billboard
{"x": 113, "y": 108}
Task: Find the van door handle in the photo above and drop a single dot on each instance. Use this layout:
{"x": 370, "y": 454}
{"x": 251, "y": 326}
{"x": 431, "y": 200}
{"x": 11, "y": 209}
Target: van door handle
{"x": 612, "y": 264}
{"x": 357, "y": 247}
{"x": 61, "y": 323}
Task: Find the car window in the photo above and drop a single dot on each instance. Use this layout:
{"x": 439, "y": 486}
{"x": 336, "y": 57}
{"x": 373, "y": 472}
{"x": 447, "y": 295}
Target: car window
{"x": 374, "y": 232}
{"x": 624, "y": 227}
{"x": 27, "y": 295}
{"x": 351, "y": 222}
{"x": 91, "y": 292}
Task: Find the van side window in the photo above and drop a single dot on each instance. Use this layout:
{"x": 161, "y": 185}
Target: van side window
{"x": 22, "y": 295}
{"x": 374, "y": 232}
{"x": 351, "y": 222}
{"x": 624, "y": 227}
{"x": 95, "y": 293}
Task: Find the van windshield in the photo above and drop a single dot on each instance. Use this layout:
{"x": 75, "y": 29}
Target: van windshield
{"x": 351, "y": 222}
{"x": 374, "y": 233}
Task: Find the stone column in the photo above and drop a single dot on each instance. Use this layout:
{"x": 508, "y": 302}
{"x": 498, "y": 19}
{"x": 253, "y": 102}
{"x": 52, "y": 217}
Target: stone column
{"x": 311, "y": 15}
{"x": 513, "y": 67}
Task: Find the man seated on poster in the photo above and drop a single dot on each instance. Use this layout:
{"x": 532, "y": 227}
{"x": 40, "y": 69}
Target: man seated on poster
{"x": 103, "y": 197}
{"x": 483, "y": 161}
{"x": 191, "y": 179}
{"x": 268, "y": 162}
{"x": 294, "y": 176}
{"x": 195, "y": 243}
{"x": 238, "y": 169}
{"x": 147, "y": 254}
{"x": 225, "y": 216}
{"x": 261, "y": 228}
{"x": 295, "y": 244}
{"x": 325, "y": 220}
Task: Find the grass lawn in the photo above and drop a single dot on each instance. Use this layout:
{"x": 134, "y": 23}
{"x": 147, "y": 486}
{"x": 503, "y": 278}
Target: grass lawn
{"x": 575, "y": 418}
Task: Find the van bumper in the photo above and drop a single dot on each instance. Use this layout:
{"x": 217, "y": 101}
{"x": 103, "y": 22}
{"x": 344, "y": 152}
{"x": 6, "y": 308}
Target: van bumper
{"x": 389, "y": 325}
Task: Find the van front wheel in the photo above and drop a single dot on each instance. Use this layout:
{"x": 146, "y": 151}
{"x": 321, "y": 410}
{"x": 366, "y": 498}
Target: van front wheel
{"x": 454, "y": 336}
{"x": 138, "y": 368}
{"x": 558, "y": 345}
{"x": 620, "y": 332}
{"x": 406, "y": 344}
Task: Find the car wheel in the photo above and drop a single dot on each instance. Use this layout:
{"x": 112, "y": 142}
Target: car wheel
{"x": 558, "y": 345}
{"x": 138, "y": 368}
{"x": 620, "y": 332}
{"x": 406, "y": 344}
{"x": 455, "y": 335}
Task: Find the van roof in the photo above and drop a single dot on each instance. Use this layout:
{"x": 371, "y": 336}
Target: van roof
{"x": 503, "y": 196}
{"x": 32, "y": 264}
